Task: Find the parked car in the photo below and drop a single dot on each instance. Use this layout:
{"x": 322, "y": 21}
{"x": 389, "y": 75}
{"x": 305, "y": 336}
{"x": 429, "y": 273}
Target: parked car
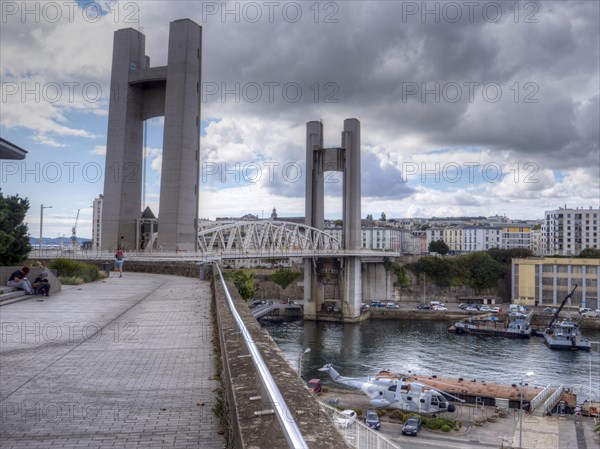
{"x": 463, "y": 306}
{"x": 257, "y": 302}
{"x": 471, "y": 309}
{"x": 583, "y": 310}
{"x": 485, "y": 308}
{"x": 336, "y": 309}
{"x": 548, "y": 310}
{"x": 392, "y": 305}
{"x": 365, "y": 306}
{"x": 412, "y": 426}
{"x": 441, "y": 308}
{"x": 372, "y": 420}
{"x": 423, "y": 306}
{"x": 496, "y": 309}
{"x": 377, "y": 304}
{"x": 591, "y": 314}
{"x": 346, "y": 418}
{"x": 314, "y": 385}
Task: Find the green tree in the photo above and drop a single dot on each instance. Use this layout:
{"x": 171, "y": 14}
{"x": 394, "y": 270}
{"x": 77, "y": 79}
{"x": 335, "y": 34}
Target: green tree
{"x": 243, "y": 281}
{"x": 283, "y": 278}
{"x": 438, "y": 246}
{"x": 14, "y": 241}
{"x": 483, "y": 271}
{"x": 383, "y": 217}
{"x": 507, "y": 255}
{"x": 590, "y": 253}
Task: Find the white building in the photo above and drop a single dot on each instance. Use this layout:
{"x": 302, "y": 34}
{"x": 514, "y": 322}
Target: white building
{"x": 384, "y": 239}
{"x": 481, "y": 238}
{"x": 433, "y": 234}
{"x": 568, "y": 231}
{"x": 97, "y": 222}
{"x": 376, "y": 238}
{"x": 538, "y": 243}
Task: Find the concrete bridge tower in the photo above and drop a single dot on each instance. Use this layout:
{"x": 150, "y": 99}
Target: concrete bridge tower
{"x": 336, "y": 280}
{"x": 140, "y": 92}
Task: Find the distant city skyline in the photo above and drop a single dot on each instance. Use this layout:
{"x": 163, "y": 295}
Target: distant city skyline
{"x": 465, "y": 110}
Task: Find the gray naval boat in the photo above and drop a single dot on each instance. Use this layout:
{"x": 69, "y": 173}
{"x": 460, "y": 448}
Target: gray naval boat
{"x": 565, "y": 334}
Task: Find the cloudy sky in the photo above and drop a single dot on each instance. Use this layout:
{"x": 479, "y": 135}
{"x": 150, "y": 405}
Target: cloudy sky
{"x": 466, "y": 108}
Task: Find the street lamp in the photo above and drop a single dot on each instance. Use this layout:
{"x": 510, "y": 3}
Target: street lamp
{"x": 530, "y": 373}
{"x": 42, "y": 207}
{"x": 306, "y": 351}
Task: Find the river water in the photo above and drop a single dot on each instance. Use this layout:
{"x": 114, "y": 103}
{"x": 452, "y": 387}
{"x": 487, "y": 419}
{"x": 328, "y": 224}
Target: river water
{"x": 426, "y": 347}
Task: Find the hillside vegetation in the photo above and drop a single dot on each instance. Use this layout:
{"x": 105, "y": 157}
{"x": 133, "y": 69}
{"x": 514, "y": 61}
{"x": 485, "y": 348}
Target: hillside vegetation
{"x": 479, "y": 270}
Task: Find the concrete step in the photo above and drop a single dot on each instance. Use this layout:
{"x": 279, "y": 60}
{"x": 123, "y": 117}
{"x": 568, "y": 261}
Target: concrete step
{"x": 9, "y": 295}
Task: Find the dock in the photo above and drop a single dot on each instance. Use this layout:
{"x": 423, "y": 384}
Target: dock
{"x": 487, "y": 392}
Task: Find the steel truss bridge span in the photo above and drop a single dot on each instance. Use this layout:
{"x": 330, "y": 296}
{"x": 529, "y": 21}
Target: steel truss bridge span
{"x": 264, "y": 239}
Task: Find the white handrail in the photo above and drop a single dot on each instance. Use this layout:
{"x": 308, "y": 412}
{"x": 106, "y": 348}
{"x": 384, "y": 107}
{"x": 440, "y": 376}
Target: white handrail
{"x": 288, "y": 424}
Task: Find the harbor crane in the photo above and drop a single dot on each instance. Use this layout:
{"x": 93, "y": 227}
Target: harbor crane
{"x": 74, "y": 231}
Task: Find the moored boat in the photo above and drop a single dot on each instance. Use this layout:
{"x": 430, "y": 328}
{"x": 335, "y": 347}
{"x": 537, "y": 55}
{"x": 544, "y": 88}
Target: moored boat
{"x": 517, "y": 326}
{"x": 566, "y": 335}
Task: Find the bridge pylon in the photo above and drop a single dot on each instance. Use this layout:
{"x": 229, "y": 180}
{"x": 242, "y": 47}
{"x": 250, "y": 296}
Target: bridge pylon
{"x": 333, "y": 285}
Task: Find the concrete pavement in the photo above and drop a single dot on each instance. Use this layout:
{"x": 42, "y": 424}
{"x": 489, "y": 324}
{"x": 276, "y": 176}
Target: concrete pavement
{"x": 123, "y": 362}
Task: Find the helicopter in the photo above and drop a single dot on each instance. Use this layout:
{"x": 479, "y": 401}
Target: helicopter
{"x": 388, "y": 389}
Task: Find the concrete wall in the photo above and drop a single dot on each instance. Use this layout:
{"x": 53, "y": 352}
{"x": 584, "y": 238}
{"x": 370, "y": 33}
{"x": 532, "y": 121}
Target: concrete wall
{"x": 242, "y": 384}
{"x": 377, "y": 283}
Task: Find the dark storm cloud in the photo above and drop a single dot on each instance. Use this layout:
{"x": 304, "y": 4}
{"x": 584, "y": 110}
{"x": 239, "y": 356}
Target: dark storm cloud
{"x": 376, "y": 54}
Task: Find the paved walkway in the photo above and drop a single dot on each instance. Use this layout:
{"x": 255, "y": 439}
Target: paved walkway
{"x": 120, "y": 363}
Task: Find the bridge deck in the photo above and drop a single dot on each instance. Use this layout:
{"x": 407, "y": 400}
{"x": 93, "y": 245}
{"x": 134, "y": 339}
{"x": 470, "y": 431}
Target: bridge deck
{"x": 125, "y": 362}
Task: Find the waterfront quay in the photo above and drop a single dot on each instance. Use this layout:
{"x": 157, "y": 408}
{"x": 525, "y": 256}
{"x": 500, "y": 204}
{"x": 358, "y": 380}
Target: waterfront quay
{"x": 483, "y": 428}
{"x": 120, "y": 363}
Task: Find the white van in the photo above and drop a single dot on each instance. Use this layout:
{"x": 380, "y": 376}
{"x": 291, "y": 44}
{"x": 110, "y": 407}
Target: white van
{"x": 436, "y": 303}
{"x": 516, "y": 308}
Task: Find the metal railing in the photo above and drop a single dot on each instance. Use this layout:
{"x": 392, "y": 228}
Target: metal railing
{"x": 553, "y": 400}
{"x": 288, "y": 424}
{"x": 539, "y": 398}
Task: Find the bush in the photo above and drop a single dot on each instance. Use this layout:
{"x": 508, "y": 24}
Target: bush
{"x": 438, "y": 423}
{"x": 446, "y": 428}
{"x": 357, "y": 410}
{"x": 397, "y": 414}
{"x": 283, "y": 278}
{"x": 243, "y": 281}
{"x": 68, "y": 268}
{"x": 402, "y": 279}
{"x": 71, "y": 280}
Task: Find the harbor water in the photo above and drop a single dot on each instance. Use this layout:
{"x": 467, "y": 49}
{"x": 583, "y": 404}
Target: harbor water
{"x": 426, "y": 347}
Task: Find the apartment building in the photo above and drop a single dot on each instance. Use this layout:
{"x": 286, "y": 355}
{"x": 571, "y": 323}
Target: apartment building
{"x": 481, "y": 238}
{"x": 376, "y": 238}
{"x": 546, "y": 281}
{"x": 454, "y": 238}
{"x": 516, "y": 237}
{"x": 568, "y": 231}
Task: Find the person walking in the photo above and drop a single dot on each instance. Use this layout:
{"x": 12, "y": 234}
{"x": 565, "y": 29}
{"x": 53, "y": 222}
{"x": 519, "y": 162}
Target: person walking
{"x": 18, "y": 279}
{"x": 119, "y": 261}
